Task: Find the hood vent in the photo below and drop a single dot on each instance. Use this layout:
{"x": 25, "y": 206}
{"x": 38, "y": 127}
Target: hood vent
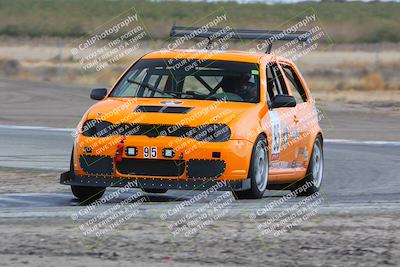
{"x": 163, "y": 109}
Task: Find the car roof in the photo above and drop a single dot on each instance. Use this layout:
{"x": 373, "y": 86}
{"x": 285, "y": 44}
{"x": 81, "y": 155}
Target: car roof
{"x": 231, "y": 55}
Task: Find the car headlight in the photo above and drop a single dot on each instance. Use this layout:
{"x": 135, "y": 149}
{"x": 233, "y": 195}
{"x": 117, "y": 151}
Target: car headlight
{"x": 212, "y": 133}
{"x": 97, "y": 128}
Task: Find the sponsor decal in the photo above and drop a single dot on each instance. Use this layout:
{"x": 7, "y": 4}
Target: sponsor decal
{"x": 295, "y": 133}
{"x": 293, "y": 164}
{"x": 305, "y": 154}
{"x": 296, "y": 152}
{"x": 216, "y": 118}
{"x": 276, "y": 135}
{"x": 285, "y": 136}
{"x": 280, "y": 165}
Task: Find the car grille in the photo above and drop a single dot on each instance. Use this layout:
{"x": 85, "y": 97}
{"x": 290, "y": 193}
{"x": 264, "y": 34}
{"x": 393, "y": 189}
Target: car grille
{"x": 96, "y": 165}
{"x": 207, "y": 133}
{"x": 205, "y": 169}
{"x": 154, "y": 130}
{"x": 151, "y": 167}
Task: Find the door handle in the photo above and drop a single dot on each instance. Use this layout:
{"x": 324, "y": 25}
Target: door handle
{"x": 295, "y": 119}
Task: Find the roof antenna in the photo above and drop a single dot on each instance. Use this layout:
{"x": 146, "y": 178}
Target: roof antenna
{"x": 209, "y": 43}
{"x": 269, "y": 47}
{"x": 172, "y": 32}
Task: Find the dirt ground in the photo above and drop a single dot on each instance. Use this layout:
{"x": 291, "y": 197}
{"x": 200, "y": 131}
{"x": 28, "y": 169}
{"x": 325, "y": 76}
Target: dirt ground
{"x": 325, "y": 240}
{"x": 332, "y": 239}
{"x": 29, "y": 180}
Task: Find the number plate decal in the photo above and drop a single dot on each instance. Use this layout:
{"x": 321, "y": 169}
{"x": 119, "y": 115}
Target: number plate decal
{"x": 154, "y": 152}
{"x": 150, "y": 152}
{"x": 146, "y": 152}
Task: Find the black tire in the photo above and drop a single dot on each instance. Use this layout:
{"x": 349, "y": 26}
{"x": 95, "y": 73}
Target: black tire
{"x": 313, "y": 179}
{"x": 84, "y": 193}
{"x": 157, "y": 191}
{"x": 87, "y": 193}
{"x": 259, "y": 167}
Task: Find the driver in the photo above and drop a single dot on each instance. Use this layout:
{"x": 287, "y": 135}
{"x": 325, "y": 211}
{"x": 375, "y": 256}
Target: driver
{"x": 242, "y": 85}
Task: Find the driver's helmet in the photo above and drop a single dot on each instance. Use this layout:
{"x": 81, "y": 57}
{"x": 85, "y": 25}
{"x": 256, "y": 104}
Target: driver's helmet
{"x": 242, "y": 85}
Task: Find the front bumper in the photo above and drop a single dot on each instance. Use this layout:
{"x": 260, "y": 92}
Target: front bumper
{"x": 192, "y": 159}
{"x": 67, "y": 178}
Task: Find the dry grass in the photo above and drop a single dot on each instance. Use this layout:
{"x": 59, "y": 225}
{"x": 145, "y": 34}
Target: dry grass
{"x": 387, "y": 101}
{"x": 345, "y": 21}
{"x": 373, "y": 81}
{"x": 368, "y": 82}
{"x": 331, "y": 73}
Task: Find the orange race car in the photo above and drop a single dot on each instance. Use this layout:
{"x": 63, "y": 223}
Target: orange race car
{"x": 196, "y": 119}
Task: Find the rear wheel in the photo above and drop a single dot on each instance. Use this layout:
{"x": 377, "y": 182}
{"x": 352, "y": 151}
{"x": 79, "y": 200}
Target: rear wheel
{"x": 311, "y": 183}
{"x": 84, "y": 193}
{"x": 258, "y": 172}
{"x": 160, "y": 191}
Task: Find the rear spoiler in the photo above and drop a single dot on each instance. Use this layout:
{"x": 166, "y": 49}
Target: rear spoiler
{"x": 269, "y": 35}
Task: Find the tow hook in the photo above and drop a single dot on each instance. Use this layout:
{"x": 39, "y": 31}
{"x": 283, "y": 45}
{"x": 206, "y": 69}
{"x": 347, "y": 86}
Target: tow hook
{"x": 120, "y": 150}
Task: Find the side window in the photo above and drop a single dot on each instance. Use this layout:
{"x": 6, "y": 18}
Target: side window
{"x": 275, "y": 81}
{"x": 272, "y": 86}
{"x": 295, "y": 84}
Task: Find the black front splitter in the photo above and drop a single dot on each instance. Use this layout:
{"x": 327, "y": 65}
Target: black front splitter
{"x": 67, "y": 178}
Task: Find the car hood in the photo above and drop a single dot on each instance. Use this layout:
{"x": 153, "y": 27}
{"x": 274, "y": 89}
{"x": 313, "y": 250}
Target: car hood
{"x": 167, "y": 111}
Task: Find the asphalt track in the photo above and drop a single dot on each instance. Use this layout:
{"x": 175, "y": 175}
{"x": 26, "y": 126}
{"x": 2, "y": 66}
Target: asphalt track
{"x": 359, "y": 176}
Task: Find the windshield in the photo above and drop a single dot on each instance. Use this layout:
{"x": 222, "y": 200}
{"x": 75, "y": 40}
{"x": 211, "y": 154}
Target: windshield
{"x": 191, "y": 79}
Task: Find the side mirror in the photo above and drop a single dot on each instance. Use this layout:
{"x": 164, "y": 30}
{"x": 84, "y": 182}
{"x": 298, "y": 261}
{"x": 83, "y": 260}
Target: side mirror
{"x": 283, "y": 101}
{"x": 98, "y": 94}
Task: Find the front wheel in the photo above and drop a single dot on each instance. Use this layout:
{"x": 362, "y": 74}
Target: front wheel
{"x": 84, "y": 193}
{"x": 311, "y": 183}
{"x": 258, "y": 172}
{"x": 87, "y": 193}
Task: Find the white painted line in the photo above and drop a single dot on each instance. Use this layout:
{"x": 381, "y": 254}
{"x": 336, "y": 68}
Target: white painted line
{"x": 329, "y": 141}
{"x": 38, "y": 128}
{"x": 357, "y": 142}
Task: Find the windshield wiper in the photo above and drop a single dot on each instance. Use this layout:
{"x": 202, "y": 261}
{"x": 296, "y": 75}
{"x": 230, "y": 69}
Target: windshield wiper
{"x": 152, "y": 88}
{"x": 175, "y": 94}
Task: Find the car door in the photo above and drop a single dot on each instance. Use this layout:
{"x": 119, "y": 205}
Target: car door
{"x": 303, "y": 116}
{"x": 280, "y": 121}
